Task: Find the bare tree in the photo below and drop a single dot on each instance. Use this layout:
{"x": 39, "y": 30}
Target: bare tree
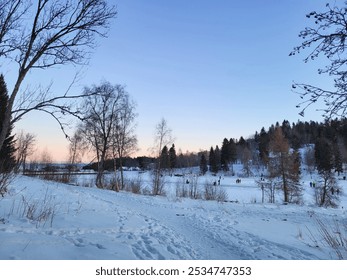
{"x": 46, "y": 161}
{"x": 102, "y": 114}
{"x": 77, "y": 148}
{"x": 327, "y": 192}
{"x": 268, "y": 186}
{"x": 24, "y": 148}
{"x": 124, "y": 140}
{"x": 326, "y": 38}
{"x": 162, "y": 137}
{"x": 43, "y": 34}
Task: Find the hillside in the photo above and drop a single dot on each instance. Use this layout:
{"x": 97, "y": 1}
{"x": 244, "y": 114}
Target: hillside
{"x": 89, "y": 223}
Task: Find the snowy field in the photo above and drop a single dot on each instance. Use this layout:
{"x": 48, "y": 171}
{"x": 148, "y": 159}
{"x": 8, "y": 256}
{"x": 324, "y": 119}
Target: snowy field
{"x": 49, "y": 220}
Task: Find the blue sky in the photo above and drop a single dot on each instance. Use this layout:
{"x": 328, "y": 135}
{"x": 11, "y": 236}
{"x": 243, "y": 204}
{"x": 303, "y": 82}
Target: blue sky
{"x": 212, "y": 69}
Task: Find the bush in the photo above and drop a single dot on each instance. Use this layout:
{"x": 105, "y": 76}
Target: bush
{"x": 188, "y": 188}
{"x": 134, "y": 185}
{"x": 182, "y": 189}
{"x": 39, "y": 211}
{"x": 334, "y": 236}
{"x": 328, "y": 192}
{"x": 213, "y": 192}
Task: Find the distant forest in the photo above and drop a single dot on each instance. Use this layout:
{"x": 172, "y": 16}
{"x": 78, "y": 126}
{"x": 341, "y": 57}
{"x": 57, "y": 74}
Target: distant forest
{"x": 255, "y": 150}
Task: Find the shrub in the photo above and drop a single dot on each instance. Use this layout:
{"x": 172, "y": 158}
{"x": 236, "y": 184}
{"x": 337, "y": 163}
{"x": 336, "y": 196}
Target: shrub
{"x": 213, "y": 192}
{"x": 134, "y": 185}
{"x": 334, "y": 236}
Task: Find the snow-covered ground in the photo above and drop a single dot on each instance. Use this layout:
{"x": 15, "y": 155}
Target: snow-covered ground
{"x": 89, "y": 223}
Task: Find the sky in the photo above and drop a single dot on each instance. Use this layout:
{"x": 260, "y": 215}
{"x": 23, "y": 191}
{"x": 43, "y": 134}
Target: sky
{"x": 213, "y": 69}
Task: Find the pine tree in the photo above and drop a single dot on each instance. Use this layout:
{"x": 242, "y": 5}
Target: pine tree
{"x": 327, "y": 193}
{"x": 172, "y": 157}
{"x": 225, "y": 155}
{"x": 263, "y": 145}
{"x": 217, "y": 155}
{"x": 203, "y": 164}
{"x": 164, "y": 158}
{"x": 7, "y": 153}
{"x": 213, "y": 161}
{"x": 295, "y": 188}
{"x": 286, "y": 129}
{"x": 232, "y": 153}
{"x": 232, "y": 150}
{"x": 337, "y": 159}
{"x": 323, "y": 155}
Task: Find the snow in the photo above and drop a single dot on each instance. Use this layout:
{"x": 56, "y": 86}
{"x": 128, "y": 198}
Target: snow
{"x": 88, "y": 223}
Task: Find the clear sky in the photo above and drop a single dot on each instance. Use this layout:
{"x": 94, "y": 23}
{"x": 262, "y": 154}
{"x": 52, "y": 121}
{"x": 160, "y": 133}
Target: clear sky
{"x": 212, "y": 69}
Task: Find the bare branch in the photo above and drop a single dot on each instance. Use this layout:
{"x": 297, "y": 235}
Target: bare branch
{"x": 106, "y": 125}
{"x": 335, "y": 101}
{"x": 48, "y": 33}
{"x": 327, "y": 38}
{"x": 11, "y": 12}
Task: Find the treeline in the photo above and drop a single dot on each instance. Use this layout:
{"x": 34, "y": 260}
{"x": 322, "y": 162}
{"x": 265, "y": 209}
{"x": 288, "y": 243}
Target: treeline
{"x": 129, "y": 162}
{"x": 332, "y": 134}
{"x": 181, "y": 160}
{"x": 304, "y": 133}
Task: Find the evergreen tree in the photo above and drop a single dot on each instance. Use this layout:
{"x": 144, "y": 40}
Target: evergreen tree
{"x": 225, "y": 155}
{"x": 295, "y": 188}
{"x": 213, "y": 161}
{"x": 337, "y": 159}
{"x": 217, "y": 155}
{"x": 242, "y": 142}
{"x": 323, "y": 155}
{"x": 232, "y": 151}
{"x": 203, "y": 164}
{"x": 263, "y": 145}
{"x": 7, "y": 152}
{"x": 172, "y": 157}
{"x": 327, "y": 192}
{"x": 286, "y": 129}
{"x": 180, "y": 160}
{"x": 164, "y": 158}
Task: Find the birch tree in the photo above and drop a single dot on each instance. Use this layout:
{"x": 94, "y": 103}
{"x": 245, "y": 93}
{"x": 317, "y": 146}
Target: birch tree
{"x": 162, "y": 137}
{"x": 124, "y": 140}
{"x": 42, "y": 34}
{"x": 25, "y": 144}
{"x": 107, "y": 125}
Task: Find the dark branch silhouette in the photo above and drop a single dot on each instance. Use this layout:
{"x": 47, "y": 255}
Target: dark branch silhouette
{"x": 45, "y": 34}
{"x": 326, "y": 38}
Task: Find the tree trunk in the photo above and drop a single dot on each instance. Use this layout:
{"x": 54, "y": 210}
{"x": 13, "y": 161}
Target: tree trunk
{"x": 284, "y": 177}
{"x": 324, "y": 193}
{"x": 100, "y": 175}
{"x": 157, "y": 178}
{"x": 121, "y": 172}
{"x": 115, "y": 174}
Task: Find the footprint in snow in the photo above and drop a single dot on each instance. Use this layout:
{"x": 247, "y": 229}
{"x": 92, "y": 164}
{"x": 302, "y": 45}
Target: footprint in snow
{"x": 99, "y": 246}
{"x": 78, "y": 242}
